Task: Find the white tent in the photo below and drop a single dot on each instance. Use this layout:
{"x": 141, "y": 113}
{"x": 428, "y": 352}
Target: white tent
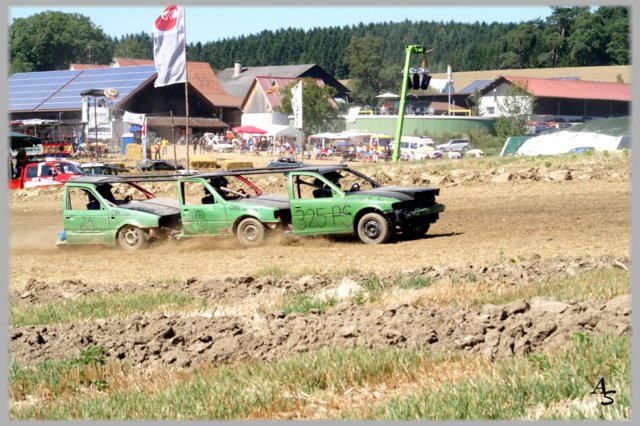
{"x": 278, "y": 130}
{"x": 388, "y": 95}
{"x": 564, "y": 141}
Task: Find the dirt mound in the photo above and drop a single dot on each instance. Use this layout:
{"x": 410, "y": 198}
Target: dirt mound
{"x": 516, "y": 328}
{"x": 230, "y": 289}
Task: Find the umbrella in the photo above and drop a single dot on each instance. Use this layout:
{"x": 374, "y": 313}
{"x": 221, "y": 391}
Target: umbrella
{"x": 249, "y": 129}
{"x": 135, "y": 128}
{"x": 388, "y": 96}
{"x": 19, "y": 140}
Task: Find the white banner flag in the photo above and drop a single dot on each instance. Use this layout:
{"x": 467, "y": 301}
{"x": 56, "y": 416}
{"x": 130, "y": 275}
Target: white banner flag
{"x": 296, "y": 105}
{"x": 169, "y": 51}
{"x": 129, "y": 117}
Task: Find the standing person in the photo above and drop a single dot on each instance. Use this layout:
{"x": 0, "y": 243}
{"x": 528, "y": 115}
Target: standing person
{"x": 165, "y": 146}
{"x": 21, "y": 161}
{"x": 156, "y": 147}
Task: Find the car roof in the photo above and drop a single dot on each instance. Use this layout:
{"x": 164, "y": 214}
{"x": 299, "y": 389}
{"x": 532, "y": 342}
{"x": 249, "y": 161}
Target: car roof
{"x": 98, "y": 179}
{"x": 256, "y": 171}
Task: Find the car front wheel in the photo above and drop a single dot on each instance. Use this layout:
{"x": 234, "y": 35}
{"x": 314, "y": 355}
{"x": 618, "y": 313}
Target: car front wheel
{"x": 250, "y": 232}
{"x": 132, "y": 238}
{"x": 373, "y": 228}
{"x": 416, "y": 231}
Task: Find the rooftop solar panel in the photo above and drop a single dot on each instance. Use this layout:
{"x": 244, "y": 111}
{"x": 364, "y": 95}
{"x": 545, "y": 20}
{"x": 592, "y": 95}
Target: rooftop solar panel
{"x": 29, "y": 90}
{"x": 124, "y": 79}
{"x": 476, "y": 85}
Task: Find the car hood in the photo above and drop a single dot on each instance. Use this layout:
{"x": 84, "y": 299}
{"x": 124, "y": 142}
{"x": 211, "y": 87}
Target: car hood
{"x": 273, "y": 201}
{"x": 398, "y": 192}
{"x": 157, "y": 206}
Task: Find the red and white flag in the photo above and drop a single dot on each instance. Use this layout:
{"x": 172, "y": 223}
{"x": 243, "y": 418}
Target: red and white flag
{"x": 169, "y": 52}
{"x": 296, "y": 105}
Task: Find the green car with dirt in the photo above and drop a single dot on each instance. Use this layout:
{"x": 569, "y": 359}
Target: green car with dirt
{"x": 228, "y": 203}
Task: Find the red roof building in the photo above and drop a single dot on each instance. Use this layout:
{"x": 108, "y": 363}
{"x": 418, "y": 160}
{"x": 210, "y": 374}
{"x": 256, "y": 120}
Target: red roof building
{"x": 564, "y": 98}
{"x": 573, "y": 89}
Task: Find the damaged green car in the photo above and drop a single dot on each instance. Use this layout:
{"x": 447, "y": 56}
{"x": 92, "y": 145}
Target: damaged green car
{"x": 319, "y": 200}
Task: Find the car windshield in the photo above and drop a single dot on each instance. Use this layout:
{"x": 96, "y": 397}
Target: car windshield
{"x": 346, "y": 178}
{"x": 69, "y": 168}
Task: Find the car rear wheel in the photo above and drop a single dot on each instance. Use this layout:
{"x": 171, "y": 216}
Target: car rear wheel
{"x": 132, "y": 238}
{"x": 373, "y": 228}
{"x": 250, "y": 232}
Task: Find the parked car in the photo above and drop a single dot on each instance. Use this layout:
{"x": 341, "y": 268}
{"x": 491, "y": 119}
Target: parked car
{"x": 163, "y": 166}
{"x": 95, "y": 168}
{"x": 286, "y": 162}
{"x": 475, "y": 153}
{"x": 216, "y": 144}
{"x": 45, "y": 173}
{"x": 581, "y": 149}
{"x": 455, "y": 145}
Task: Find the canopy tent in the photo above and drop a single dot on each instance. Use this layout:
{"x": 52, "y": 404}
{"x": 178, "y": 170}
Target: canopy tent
{"x": 249, "y": 129}
{"x": 19, "y": 140}
{"x": 326, "y": 135}
{"x": 564, "y": 141}
{"x": 388, "y": 95}
{"x": 280, "y": 130}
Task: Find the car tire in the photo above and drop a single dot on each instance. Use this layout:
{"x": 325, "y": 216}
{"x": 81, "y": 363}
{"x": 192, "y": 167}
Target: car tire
{"x": 132, "y": 238}
{"x": 416, "y": 231}
{"x": 250, "y": 232}
{"x": 373, "y": 228}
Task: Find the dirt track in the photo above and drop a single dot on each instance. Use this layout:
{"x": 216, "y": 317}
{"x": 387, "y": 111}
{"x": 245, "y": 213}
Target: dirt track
{"x": 578, "y": 220}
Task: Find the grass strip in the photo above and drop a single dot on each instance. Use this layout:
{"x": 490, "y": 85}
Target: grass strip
{"x": 537, "y": 386}
{"x": 509, "y": 389}
{"x": 98, "y": 306}
{"x": 243, "y": 390}
{"x": 597, "y": 284}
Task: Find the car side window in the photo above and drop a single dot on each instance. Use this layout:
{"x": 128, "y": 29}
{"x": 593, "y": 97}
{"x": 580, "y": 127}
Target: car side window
{"x": 307, "y": 187}
{"x": 32, "y": 172}
{"x": 80, "y": 199}
{"x": 196, "y": 194}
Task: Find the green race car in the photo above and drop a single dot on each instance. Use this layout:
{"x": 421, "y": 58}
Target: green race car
{"x": 318, "y": 201}
{"x": 339, "y": 200}
{"x": 110, "y": 209}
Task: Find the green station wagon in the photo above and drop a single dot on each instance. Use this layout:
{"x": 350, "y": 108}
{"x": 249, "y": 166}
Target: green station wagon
{"x": 340, "y": 200}
{"x": 319, "y": 200}
{"x": 110, "y": 209}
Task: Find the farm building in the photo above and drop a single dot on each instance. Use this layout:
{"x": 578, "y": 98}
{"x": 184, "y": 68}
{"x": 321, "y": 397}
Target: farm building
{"x": 237, "y": 81}
{"x": 569, "y": 99}
{"x": 55, "y": 97}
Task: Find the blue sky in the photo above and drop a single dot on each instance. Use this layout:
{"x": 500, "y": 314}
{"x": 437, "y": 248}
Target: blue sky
{"x": 212, "y": 23}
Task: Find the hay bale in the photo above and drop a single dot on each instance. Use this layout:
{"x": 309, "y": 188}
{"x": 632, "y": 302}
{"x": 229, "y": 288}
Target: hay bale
{"x": 204, "y": 164}
{"x": 237, "y": 164}
{"x": 134, "y": 151}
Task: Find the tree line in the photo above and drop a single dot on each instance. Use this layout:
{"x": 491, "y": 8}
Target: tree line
{"x": 570, "y": 36}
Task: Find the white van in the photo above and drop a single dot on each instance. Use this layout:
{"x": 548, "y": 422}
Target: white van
{"x": 418, "y": 148}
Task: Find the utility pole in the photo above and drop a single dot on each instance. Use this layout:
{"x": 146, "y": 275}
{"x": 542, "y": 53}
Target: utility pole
{"x": 412, "y": 48}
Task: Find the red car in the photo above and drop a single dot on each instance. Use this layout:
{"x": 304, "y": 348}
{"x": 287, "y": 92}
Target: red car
{"x": 45, "y": 173}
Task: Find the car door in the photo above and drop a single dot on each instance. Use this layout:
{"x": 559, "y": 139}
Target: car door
{"x": 317, "y": 211}
{"x": 202, "y": 209}
{"x": 86, "y": 222}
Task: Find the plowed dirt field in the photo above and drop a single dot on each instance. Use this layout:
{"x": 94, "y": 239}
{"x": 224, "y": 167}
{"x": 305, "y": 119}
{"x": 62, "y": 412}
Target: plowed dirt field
{"x": 501, "y": 226}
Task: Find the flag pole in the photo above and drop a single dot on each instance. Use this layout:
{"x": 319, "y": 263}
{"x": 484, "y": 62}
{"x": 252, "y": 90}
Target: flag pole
{"x": 186, "y": 86}
{"x": 173, "y": 141}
